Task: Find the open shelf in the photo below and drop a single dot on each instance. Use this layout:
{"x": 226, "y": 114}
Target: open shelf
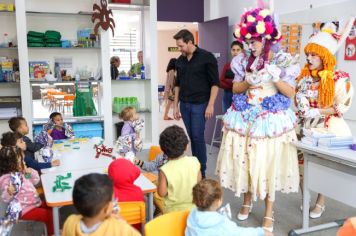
{"x": 8, "y": 48}
{"x": 59, "y": 13}
{"x": 9, "y": 83}
{"x": 74, "y": 119}
{"x": 60, "y": 48}
{"x": 64, "y": 82}
{"x": 8, "y": 13}
{"x": 130, "y": 80}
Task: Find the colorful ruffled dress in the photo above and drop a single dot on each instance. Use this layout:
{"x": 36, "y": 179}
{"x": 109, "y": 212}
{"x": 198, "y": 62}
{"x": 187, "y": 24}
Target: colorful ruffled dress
{"x": 256, "y": 154}
{"x": 307, "y": 98}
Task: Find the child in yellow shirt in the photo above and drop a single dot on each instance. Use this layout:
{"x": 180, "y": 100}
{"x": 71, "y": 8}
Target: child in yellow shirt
{"x": 178, "y": 176}
{"x": 93, "y": 199}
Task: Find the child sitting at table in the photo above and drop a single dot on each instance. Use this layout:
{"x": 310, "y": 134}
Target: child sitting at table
{"x": 57, "y": 128}
{"x": 17, "y": 184}
{"x": 123, "y": 174}
{"x": 205, "y": 220}
{"x": 93, "y": 199}
{"x": 153, "y": 166}
{"x": 129, "y": 139}
{"x": 179, "y": 175}
{"x": 19, "y": 125}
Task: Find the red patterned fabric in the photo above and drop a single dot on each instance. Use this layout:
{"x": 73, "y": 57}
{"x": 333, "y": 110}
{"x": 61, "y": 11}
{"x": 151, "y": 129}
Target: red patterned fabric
{"x": 340, "y": 74}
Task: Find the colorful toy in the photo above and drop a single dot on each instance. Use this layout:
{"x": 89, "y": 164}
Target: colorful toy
{"x": 46, "y": 140}
{"x": 60, "y": 185}
{"x": 103, "y": 150}
{"x": 14, "y": 209}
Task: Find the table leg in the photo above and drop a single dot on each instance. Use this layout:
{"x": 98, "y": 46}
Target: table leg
{"x": 306, "y": 193}
{"x": 55, "y": 211}
{"x": 150, "y": 206}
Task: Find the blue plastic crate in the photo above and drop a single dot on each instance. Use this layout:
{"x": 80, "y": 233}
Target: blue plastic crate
{"x": 88, "y": 130}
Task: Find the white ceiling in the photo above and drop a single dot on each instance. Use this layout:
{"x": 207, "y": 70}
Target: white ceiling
{"x": 169, "y": 26}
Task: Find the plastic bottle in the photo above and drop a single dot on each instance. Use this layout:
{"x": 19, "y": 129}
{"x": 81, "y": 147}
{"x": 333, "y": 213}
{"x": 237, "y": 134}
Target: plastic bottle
{"x": 142, "y": 72}
{"x": 6, "y": 40}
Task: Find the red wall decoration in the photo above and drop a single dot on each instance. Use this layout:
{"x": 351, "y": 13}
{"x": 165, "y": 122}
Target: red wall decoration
{"x": 350, "y": 44}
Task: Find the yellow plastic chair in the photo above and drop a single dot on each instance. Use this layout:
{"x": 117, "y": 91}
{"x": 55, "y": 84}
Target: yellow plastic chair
{"x": 153, "y": 152}
{"x": 172, "y": 224}
{"x": 133, "y": 212}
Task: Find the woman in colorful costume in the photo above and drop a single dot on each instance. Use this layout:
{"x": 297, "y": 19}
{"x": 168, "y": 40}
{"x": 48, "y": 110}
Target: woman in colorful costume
{"x": 256, "y": 156}
{"x": 323, "y": 93}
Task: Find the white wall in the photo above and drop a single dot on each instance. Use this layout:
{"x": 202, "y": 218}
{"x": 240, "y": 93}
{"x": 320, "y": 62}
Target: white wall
{"x": 297, "y": 12}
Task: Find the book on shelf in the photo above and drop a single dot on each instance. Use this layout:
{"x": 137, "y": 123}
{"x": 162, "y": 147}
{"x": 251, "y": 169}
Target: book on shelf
{"x": 38, "y": 70}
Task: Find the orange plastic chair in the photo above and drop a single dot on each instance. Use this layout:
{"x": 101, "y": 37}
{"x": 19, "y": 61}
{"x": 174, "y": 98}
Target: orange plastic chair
{"x": 172, "y": 224}
{"x": 133, "y": 212}
{"x": 68, "y": 101}
{"x": 349, "y": 228}
{"x": 153, "y": 152}
{"x": 39, "y": 190}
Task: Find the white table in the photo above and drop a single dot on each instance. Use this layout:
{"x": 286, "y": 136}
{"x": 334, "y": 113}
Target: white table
{"x": 331, "y": 173}
{"x": 77, "y": 159}
{"x": 80, "y": 162}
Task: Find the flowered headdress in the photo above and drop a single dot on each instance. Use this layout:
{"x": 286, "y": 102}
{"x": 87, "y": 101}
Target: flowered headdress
{"x": 257, "y": 23}
{"x": 325, "y": 44}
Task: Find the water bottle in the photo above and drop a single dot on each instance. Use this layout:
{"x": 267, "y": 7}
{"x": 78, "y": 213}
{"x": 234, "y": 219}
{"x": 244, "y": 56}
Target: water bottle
{"x": 6, "y": 40}
{"x": 142, "y": 72}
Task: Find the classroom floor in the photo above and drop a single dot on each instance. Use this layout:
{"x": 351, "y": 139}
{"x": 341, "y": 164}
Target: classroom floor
{"x": 287, "y": 213}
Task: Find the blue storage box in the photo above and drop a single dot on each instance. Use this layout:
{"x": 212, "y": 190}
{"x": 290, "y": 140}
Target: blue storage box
{"x": 124, "y": 78}
{"x": 81, "y": 130}
{"x": 65, "y": 44}
{"x": 88, "y": 130}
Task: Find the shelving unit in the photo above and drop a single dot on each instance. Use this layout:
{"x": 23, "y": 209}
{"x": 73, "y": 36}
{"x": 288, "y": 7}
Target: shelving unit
{"x": 40, "y": 16}
{"x": 9, "y": 91}
{"x": 144, "y": 89}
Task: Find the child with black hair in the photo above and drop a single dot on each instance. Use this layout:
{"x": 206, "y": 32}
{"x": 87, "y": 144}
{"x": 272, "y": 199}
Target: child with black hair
{"x": 19, "y": 125}
{"x": 56, "y": 128}
{"x": 178, "y": 176}
{"x": 205, "y": 220}
{"x": 93, "y": 199}
{"x": 17, "y": 182}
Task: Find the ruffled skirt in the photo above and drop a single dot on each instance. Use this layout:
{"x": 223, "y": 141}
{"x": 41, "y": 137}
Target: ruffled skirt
{"x": 248, "y": 162}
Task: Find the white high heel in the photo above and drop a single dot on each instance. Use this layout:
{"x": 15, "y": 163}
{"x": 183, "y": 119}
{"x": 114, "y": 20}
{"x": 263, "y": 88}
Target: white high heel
{"x": 269, "y": 229}
{"x": 314, "y": 215}
{"x": 242, "y": 216}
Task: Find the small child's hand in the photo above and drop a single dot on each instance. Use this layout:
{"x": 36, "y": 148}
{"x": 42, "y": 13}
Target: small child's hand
{"x": 138, "y": 162}
{"x": 27, "y": 170}
{"x": 117, "y": 216}
{"x": 267, "y": 233}
{"x": 11, "y": 189}
{"x": 55, "y": 162}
